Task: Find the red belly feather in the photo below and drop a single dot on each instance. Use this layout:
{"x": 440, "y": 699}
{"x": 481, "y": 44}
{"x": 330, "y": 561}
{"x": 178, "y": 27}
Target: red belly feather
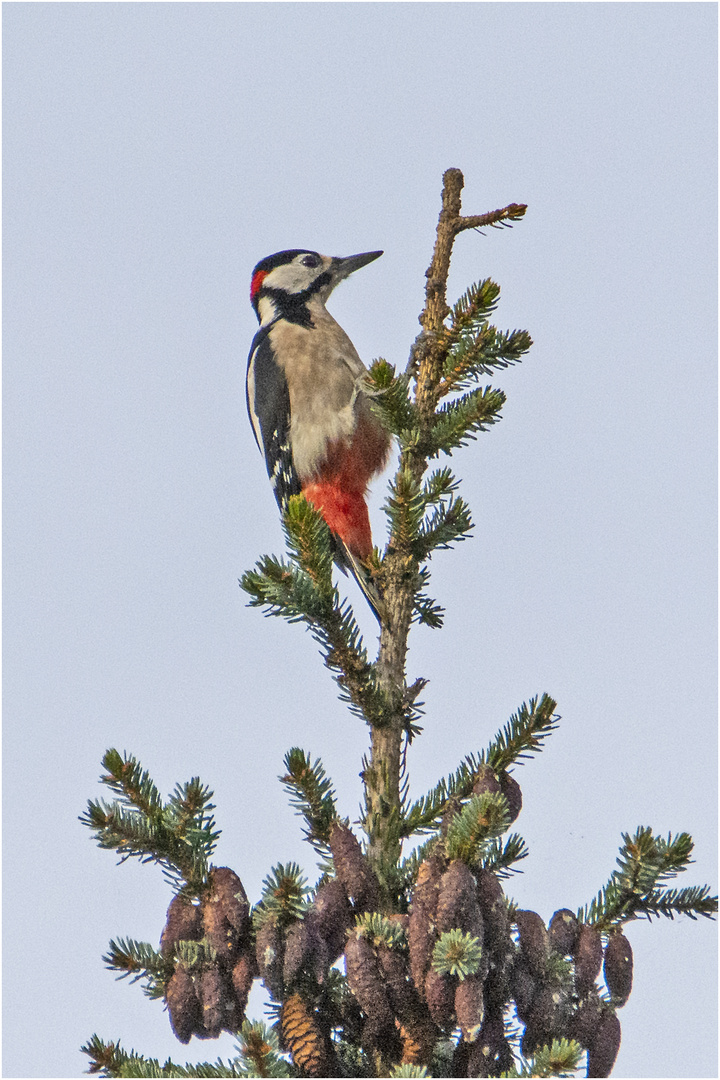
{"x": 338, "y": 489}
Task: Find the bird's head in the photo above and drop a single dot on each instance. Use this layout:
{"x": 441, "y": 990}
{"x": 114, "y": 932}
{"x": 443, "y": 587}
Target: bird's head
{"x": 283, "y": 284}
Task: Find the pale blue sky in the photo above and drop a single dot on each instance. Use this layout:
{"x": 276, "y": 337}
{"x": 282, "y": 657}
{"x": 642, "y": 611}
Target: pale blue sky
{"x": 153, "y": 154}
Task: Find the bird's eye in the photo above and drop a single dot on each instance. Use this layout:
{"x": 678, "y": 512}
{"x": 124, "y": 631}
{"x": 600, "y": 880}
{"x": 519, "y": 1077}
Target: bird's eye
{"x": 311, "y": 260}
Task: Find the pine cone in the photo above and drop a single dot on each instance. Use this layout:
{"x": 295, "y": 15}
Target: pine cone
{"x": 226, "y": 911}
{"x": 584, "y": 1022}
{"x": 486, "y": 780}
{"x": 534, "y": 942}
{"x": 563, "y": 931}
{"x": 212, "y": 993}
{"x": 183, "y": 1005}
{"x": 511, "y": 790}
{"x": 605, "y": 1045}
{"x": 498, "y": 944}
{"x": 366, "y": 982}
{"x": 541, "y": 1026}
{"x": 523, "y": 987}
{"x": 403, "y": 995}
{"x": 330, "y": 915}
{"x": 491, "y": 1053}
{"x": 184, "y": 923}
{"x": 618, "y": 968}
{"x": 457, "y": 901}
{"x": 298, "y": 945}
{"x": 414, "y": 1050}
{"x": 304, "y": 1039}
{"x": 496, "y": 920}
{"x": 243, "y": 976}
{"x": 440, "y": 997}
{"x": 470, "y": 1006}
{"x": 269, "y": 952}
{"x": 353, "y": 869}
{"x": 421, "y": 925}
{"x": 588, "y": 954}
{"x": 230, "y": 894}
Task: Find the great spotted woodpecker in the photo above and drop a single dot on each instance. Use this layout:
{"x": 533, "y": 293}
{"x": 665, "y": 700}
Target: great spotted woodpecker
{"x": 308, "y": 401}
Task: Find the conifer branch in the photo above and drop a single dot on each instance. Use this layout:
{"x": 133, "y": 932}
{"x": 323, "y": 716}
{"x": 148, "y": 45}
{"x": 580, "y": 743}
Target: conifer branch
{"x": 180, "y": 836}
{"x": 561, "y": 1058}
{"x": 133, "y": 785}
{"x": 138, "y": 960}
{"x": 458, "y": 422}
{"x": 631, "y": 893}
{"x": 524, "y": 734}
{"x": 110, "y": 1060}
{"x": 482, "y": 819}
{"x": 306, "y": 593}
{"x": 284, "y": 895}
{"x": 500, "y": 857}
{"x": 495, "y": 219}
{"x": 379, "y": 930}
{"x": 390, "y": 399}
{"x": 259, "y": 1052}
{"x": 312, "y": 795}
{"x": 457, "y": 953}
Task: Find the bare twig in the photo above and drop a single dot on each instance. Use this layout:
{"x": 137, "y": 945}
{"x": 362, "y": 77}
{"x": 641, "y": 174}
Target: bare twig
{"x": 399, "y": 574}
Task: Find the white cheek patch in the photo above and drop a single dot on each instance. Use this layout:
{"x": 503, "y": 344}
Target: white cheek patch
{"x": 266, "y": 310}
{"x": 294, "y": 277}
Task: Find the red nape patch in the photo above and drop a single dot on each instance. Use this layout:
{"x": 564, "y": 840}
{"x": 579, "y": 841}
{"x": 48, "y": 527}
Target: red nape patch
{"x": 345, "y": 513}
{"x": 257, "y": 280}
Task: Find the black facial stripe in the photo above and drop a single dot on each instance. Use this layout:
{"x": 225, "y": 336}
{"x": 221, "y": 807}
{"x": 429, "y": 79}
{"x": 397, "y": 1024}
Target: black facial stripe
{"x": 292, "y": 307}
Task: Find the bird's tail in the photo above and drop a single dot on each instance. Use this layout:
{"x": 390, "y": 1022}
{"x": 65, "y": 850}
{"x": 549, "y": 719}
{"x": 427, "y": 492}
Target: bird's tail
{"x": 347, "y": 561}
{"x": 346, "y": 515}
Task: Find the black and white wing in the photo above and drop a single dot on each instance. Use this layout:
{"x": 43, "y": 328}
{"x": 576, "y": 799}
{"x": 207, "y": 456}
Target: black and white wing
{"x": 268, "y": 403}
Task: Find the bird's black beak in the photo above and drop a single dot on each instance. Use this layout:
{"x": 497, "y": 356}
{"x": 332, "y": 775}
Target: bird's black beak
{"x": 342, "y": 268}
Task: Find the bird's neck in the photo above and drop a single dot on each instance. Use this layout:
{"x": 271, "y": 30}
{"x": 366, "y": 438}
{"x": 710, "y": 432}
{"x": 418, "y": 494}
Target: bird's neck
{"x": 300, "y": 308}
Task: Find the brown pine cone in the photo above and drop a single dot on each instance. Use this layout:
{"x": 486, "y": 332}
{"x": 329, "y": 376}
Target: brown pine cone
{"x": 353, "y": 869}
{"x": 584, "y": 1022}
{"x": 298, "y": 946}
{"x": 605, "y": 1045}
{"x": 330, "y": 915}
{"x": 491, "y": 1053}
{"x": 440, "y": 997}
{"x": 212, "y": 993}
{"x": 183, "y": 1005}
{"x": 618, "y": 968}
{"x": 496, "y": 920}
{"x": 269, "y": 953}
{"x": 563, "y": 931}
{"x": 470, "y": 1006}
{"x": 365, "y": 979}
{"x": 418, "y": 1041}
{"x": 541, "y": 1026}
{"x": 457, "y": 901}
{"x": 511, "y": 790}
{"x": 421, "y": 925}
{"x": 523, "y": 987}
{"x": 243, "y": 976}
{"x": 486, "y": 780}
{"x": 184, "y": 923}
{"x": 228, "y": 892}
{"x": 588, "y": 954}
{"x": 225, "y": 911}
{"x": 534, "y": 942}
